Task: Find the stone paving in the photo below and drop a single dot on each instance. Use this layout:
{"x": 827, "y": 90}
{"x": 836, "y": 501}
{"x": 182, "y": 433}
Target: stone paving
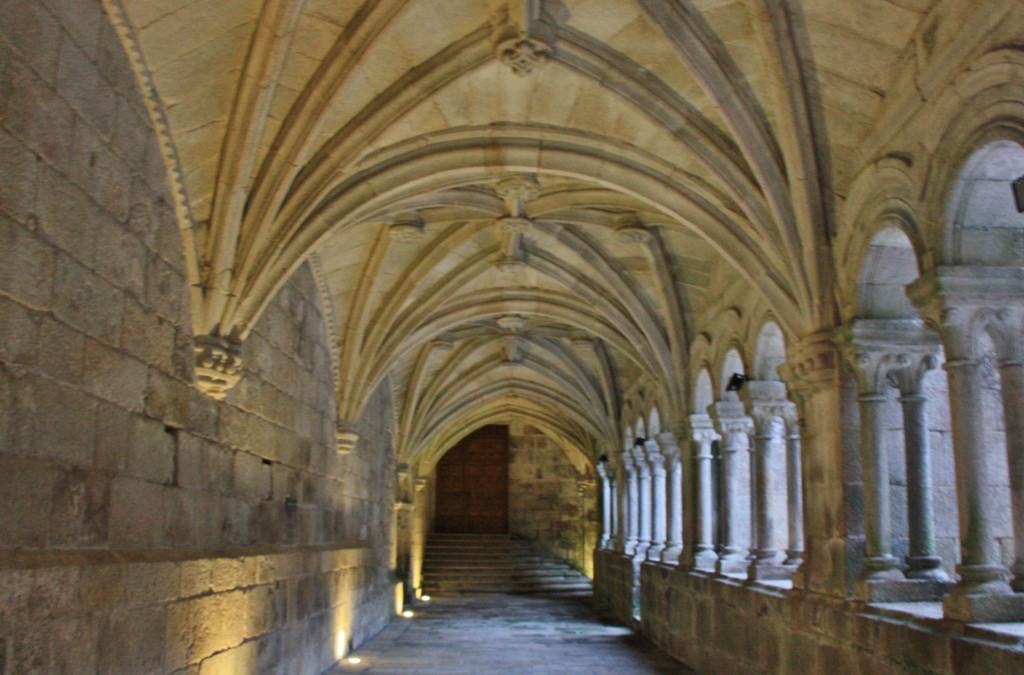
{"x": 507, "y": 634}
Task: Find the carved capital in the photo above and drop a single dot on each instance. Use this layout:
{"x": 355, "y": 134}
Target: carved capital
{"x": 702, "y": 431}
{"x": 218, "y": 364}
{"x": 884, "y": 352}
{"x": 764, "y": 412}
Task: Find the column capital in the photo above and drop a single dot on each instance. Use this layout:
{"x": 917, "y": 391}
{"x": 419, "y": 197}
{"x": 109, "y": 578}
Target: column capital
{"x": 669, "y": 445}
{"x": 763, "y": 412}
{"x": 961, "y": 301}
{"x": 884, "y": 352}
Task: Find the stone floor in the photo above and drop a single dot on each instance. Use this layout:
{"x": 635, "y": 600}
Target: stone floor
{"x": 507, "y": 634}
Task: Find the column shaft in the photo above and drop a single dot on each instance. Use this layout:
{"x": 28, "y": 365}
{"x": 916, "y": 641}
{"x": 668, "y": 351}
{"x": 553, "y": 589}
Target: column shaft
{"x": 704, "y": 555}
{"x": 794, "y": 497}
{"x": 922, "y": 561}
{"x": 880, "y": 562}
{"x": 1012, "y": 384}
{"x": 674, "y": 543}
{"x": 980, "y": 568}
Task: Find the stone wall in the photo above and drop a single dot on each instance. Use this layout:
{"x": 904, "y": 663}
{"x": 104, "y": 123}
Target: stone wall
{"x": 546, "y": 505}
{"x": 148, "y": 527}
{"x": 723, "y": 626}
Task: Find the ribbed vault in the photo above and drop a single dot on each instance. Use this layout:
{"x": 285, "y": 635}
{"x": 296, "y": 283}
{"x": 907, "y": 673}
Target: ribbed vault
{"x": 515, "y": 207}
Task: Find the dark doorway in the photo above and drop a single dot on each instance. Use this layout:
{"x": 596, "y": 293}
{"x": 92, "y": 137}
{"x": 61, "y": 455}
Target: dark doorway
{"x": 472, "y": 484}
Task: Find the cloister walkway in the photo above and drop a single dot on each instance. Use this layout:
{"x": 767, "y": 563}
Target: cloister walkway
{"x": 507, "y": 634}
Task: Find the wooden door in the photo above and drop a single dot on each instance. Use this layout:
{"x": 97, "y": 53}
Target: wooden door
{"x": 472, "y": 484}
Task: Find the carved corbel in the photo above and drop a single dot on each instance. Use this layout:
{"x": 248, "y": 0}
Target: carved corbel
{"x": 218, "y": 364}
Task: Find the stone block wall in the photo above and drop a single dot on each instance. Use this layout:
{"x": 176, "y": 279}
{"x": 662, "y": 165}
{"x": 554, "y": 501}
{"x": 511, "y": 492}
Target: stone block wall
{"x": 551, "y": 502}
{"x": 723, "y": 626}
{"x": 115, "y": 470}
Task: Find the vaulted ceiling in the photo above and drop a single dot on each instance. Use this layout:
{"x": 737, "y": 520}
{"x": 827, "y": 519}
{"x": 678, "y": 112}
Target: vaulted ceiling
{"x": 519, "y": 207}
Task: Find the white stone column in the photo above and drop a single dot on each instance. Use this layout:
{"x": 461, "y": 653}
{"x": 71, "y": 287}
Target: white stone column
{"x": 630, "y": 503}
{"x": 674, "y": 536}
{"x": 703, "y": 435}
{"x": 794, "y": 493}
{"x": 768, "y": 409}
{"x": 645, "y": 501}
{"x": 606, "y": 506}
{"x": 734, "y": 427}
{"x": 659, "y": 503}
{"x": 614, "y": 505}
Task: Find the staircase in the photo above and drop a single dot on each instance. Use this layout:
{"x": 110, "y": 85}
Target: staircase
{"x": 496, "y": 563}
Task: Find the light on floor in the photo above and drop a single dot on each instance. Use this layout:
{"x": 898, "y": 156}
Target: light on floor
{"x": 425, "y": 598}
{"x": 407, "y": 614}
{"x": 354, "y": 660}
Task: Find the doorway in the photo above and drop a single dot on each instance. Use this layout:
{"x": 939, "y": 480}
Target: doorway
{"x": 472, "y": 484}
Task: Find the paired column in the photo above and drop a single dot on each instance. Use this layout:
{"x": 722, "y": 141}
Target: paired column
{"x": 656, "y": 460}
{"x": 950, "y": 297}
{"x": 770, "y": 410}
{"x": 734, "y": 427}
{"x": 883, "y": 353}
{"x": 674, "y": 462}
{"x": 703, "y": 435}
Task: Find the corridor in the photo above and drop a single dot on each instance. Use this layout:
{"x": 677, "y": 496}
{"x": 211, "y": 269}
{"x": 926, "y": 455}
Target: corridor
{"x": 507, "y": 634}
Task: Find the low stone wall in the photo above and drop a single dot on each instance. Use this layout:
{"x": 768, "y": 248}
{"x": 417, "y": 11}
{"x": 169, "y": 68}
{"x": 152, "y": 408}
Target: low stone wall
{"x": 118, "y": 612}
{"x": 613, "y": 586}
{"x": 722, "y": 626}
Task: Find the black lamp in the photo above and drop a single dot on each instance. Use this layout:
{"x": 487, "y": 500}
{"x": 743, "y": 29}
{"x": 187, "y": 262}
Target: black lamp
{"x": 1018, "y": 193}
{"x": 638, "y": 442}
{"x": 736, "y": 382}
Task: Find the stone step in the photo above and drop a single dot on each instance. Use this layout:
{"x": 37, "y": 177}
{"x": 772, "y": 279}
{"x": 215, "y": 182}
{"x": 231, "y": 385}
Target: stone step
{"x": 465, "y": 564}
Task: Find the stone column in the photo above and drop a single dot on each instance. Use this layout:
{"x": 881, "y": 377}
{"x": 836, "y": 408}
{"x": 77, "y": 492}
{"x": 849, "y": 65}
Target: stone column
{"x": 644, "y": 499}
{"x": 794, "y": 493}
{"x": 872, "y": 349}
{"x": 1011, "y": 375}
{"x": 659, "y": 504}
{"x": 734, "y": 427}
{"x": 614, "y": 506}
{"x": 962, "y": 301}
{"x": 922, "y": 562}
{"x": 630, "y": 503}
{"x": 674, "y": 536}
{"x": 606, "y": 506}
{"x": 703, "y": 435}
{"x": 768, "y": 410}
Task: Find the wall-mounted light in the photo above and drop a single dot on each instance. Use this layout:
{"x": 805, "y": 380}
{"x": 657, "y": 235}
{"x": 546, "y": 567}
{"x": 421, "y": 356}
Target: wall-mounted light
{"x": 736, "y": 382}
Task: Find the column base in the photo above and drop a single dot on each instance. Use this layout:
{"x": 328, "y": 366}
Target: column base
{"x": 630, "y": 548}
{"x": 654, "y": 552}
{"x": 1018, "y": 576}
{"x": 640, "y": 554}
{"x": 670, "y": 556}
{"x": 768, "y": 571}
{"x": 900, "y": 590}
{"x": 793, "y": 558}
{"x": 984, "y": 607}
{"x": 926, "y": 567}
{"x": 731, "y": 563}
{"x": 705, "y": 560}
